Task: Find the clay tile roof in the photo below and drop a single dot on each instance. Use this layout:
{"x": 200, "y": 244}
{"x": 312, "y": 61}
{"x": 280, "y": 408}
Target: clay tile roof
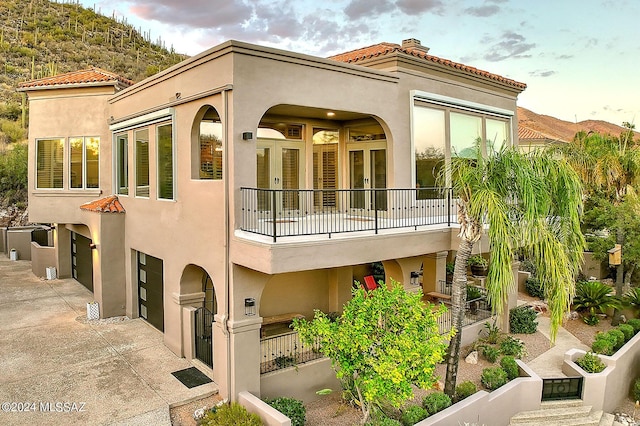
{"x": 90, "y": 75}
{"x": 382, "y": 49}
{"x": 109, "y": 204}
{"x": 527, "y": 133}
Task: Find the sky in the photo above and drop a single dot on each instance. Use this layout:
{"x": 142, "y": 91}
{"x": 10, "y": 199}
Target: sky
{"x": 579, "y": 58}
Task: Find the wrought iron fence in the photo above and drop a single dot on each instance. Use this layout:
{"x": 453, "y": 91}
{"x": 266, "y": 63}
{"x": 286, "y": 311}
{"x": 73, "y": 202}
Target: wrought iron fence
{"x": 562, "y": 388}
{"x": 282, "y": 212}
{"x": 285, "y": 350}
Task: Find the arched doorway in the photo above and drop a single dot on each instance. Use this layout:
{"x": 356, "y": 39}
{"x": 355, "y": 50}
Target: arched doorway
{"x": 203, "y": 332}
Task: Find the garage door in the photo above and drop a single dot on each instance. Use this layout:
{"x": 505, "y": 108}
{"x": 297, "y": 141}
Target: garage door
{"x": 81, "y": 260}
{"x": 150, "y": 290}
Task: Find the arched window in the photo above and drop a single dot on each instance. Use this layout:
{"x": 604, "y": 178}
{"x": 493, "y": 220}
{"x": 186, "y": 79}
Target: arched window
{"x": 211, "y": 147}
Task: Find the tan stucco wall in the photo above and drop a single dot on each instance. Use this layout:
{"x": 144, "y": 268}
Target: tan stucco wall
{"x": 299, "y": 292}
{"x": 300, "y": 382}
{"x": 41, "y": 259}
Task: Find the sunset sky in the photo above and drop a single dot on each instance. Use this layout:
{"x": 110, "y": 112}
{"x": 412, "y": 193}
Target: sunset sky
{"x": 579, "y": 58}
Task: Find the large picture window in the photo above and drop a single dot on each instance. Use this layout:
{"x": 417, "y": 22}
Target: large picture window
{"x": 438, "y": 129}
{"x": 49, "y": 163}
{"x": 84, "y": 162}
{"x": 122, "y": 164}
{"x": 142, "y": 162}
{"x": 165, "y": 161}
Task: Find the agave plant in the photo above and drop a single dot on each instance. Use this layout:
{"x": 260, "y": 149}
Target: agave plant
{"x": 594, "y": 297}
{"x": 632, "y": 299}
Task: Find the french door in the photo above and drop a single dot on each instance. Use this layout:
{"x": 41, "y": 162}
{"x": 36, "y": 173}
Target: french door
{"x": 368, "y": 170}
{"x": 325, "y": 176}
{"x": 280, "y": 166}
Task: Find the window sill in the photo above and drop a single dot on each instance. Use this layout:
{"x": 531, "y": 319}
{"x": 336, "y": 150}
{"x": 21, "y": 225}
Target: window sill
{"x": 66, "y": 192}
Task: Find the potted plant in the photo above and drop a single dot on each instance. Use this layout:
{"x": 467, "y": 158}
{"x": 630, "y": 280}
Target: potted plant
{"x": 479, "y": 265}
{"x": 450, "y": 267}
{"x": 473, "y": 294}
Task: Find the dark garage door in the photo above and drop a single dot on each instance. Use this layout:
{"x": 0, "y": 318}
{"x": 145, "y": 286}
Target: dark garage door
{"x": 81, "y": 260}
{"x": 150, "y": 290}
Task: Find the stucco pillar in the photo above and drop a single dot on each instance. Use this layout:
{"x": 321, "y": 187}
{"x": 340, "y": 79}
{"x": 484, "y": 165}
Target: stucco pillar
{"x": 340, "y": 283}
{"x": 434, "y": 270}
{"x": 62, "y": 243}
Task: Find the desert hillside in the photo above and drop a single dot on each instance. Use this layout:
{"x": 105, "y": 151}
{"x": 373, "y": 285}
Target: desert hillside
{"x": 564, "y": 130}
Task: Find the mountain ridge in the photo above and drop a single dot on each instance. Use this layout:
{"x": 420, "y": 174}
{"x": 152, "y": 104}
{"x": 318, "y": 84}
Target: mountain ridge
{"x": 563, "y": 130}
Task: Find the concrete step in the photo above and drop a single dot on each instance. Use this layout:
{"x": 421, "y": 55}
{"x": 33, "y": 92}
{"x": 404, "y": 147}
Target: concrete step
{"x": 607, "y": 419}
{"x": 561, "y": 403}
{"x": 550, "y": 413}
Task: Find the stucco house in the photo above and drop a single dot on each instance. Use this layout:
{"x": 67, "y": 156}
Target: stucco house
{"x": 247, "y": 185}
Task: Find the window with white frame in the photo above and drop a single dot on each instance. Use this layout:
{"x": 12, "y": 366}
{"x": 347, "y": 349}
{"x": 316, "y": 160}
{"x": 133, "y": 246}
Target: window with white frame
{"x": 142, "y": 162}
{"x": 164, "y": 137}
{"x": 444, "y": 131}
{"x": 122, "y": 164}
{"x": 84, "y": 162}
{"x": 49, "y": 163}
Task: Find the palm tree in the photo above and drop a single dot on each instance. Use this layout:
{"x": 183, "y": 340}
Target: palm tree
{"x": 530, "y": 202}
{"x": 611, "y": 166}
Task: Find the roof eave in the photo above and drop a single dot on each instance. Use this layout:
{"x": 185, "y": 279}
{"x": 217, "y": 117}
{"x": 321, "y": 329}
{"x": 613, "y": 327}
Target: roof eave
{"x": 118, "y": 85}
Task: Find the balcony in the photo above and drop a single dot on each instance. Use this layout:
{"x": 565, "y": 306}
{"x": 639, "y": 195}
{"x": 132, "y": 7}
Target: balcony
{"x": 280, "y": 213}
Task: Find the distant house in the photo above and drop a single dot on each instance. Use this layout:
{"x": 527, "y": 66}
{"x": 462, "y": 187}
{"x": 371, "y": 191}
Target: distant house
{"x": 530, "y": 140}
{"x": 247, "y": 185}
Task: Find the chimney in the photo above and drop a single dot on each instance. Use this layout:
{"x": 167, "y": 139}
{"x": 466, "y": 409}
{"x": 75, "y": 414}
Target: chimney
{"x": 414, "y": 44}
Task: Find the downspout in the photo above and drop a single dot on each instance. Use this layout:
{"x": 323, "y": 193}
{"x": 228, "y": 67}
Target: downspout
{"x": 227, "y": 221}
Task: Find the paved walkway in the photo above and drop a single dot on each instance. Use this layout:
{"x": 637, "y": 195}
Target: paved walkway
{"x": 116, "y": 373}
{"x": 549, "y": 364}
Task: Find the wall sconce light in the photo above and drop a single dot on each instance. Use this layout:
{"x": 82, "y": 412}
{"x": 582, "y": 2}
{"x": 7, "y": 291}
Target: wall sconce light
{"x": 247, "y": 136}
{"x": 93, "y": 246}
{"x": 249, "y": 306}
{"x": 415, "y": 278}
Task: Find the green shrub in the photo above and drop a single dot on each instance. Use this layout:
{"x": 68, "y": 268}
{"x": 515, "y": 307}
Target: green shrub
{"x": 384, "y": 421}
{"x": 509, "y": 365}
{"x": 465, "y": 390}
{"x": 627, "y": 330}
{"x": 490, "y": 353}
{"x": 435, "y": 402}
{"x": 534, "y": 288}
{"x": 632, "y": 299}
{"x": 292, "y": 408}
{"x": 413, "y": 415}
{"x": 619, "y": 336}
{"x": 602, "y": 346}
{"x": 635, "y": 323}
{"x": 493, "y": 377}
{"x": 522, "y": 320}
{"x": 635, "y": 390}
{"x": 512, "y": 346}
{"x": 591, "y": 320}
{"x": 231, "y": 415}
{"x": 491, "y": 333}
{"x": 591, "y": 363}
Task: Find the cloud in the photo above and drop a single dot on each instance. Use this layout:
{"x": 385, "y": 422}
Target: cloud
{"x": 195, "y": 13}
{"x": 417, "y": 7}
{"x": 512, "y": 45}
{"x": 564, "y": 56}
{"x": 483, "y": 11}
{"x": 358, "y": 9}
{"x": 541, "y": 73}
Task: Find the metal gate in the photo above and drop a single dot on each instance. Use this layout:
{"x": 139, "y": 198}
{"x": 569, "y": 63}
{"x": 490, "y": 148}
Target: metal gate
{"x": 562, "y": 388}
{"x": 204, "y": 347}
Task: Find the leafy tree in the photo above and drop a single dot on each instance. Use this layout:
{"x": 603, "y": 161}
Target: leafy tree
{"x": 13, "y": 173}
{"x": 384, "y": 342}
{"x": 531, "y": 203}
{"x": 610, "y": 168}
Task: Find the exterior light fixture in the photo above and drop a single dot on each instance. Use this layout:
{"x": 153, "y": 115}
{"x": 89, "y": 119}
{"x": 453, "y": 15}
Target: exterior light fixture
{"x": 249, "y": 306}
{"x": 331, "y": 114}
{"x": 247, "y": 136}
{"x": 93, "y": 246}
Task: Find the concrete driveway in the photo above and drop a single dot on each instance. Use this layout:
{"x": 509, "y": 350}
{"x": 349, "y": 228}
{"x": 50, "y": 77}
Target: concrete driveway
{"x": 57, "y": 368}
